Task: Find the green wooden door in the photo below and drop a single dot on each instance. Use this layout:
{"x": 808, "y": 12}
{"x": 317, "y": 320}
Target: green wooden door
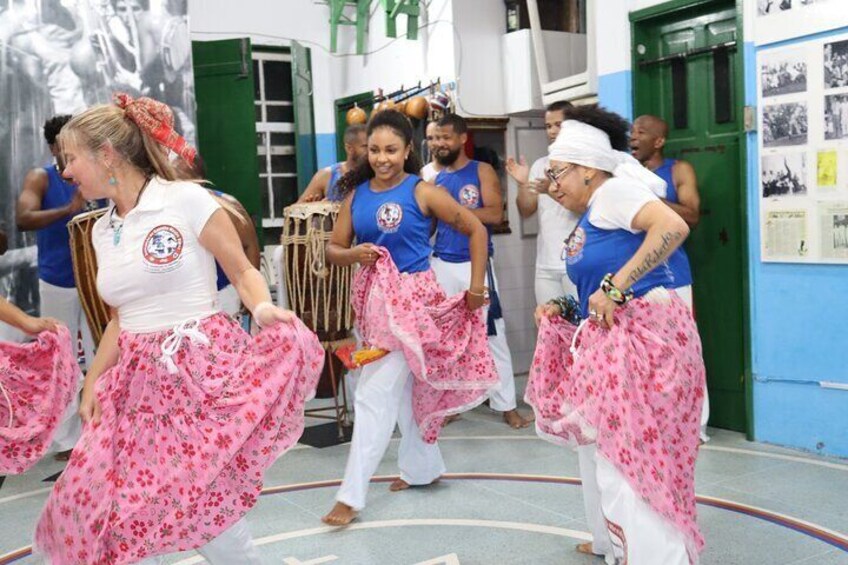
{"x": 226, "y": 124}
{"x": 699, "y": 95}
{"x": 304, "y": 122}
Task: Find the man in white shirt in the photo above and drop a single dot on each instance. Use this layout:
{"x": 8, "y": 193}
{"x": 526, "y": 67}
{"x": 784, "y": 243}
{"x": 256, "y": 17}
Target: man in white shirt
{"x": 555, "y": 222}
{"x": 431, "y": 169}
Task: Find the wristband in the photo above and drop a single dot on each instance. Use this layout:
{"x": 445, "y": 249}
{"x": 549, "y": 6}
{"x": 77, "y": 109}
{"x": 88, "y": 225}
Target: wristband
{"x": 258, "y": 308}
{"x": 569, "y": 308}
{"x": 613, "y": 292}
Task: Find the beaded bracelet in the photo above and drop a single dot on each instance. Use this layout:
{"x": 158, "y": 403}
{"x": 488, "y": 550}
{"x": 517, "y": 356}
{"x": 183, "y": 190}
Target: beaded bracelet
{"x": 613, "y": 292}
{"x": 569, "y": 308}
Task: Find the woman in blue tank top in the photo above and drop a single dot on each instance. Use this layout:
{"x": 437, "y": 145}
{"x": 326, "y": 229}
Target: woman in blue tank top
{"x": 389, "y": 211}
{"x": 625, "y": 387}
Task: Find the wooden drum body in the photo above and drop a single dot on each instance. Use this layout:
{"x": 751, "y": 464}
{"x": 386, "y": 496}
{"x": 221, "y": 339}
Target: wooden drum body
{"x": 85, "y": 272}
{"x": 319, "y": 293}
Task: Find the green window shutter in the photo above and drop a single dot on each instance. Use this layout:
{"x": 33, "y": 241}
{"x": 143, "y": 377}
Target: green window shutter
{"x": 304, "y": 122}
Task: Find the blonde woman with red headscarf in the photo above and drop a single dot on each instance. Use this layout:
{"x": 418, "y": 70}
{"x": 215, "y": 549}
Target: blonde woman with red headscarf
{"x": 183, "y": 410}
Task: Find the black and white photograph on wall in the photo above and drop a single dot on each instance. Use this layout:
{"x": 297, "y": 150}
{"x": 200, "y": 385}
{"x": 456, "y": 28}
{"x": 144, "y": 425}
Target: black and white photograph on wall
{"x": 836, "y": 64}
{"x": 766, "y": 7}
{"x": 783, "y": 73}
{"x": 836, "y": 116}
{"x": 784, "y": 174}
{"x": 840, "y": 231}
{"x": 785, "y": 124}
{"x": 61, "y": 56}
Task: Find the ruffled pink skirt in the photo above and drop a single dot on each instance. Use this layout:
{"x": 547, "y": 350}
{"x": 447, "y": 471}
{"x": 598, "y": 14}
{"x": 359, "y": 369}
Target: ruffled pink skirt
{"x": 636, "y": 391}
{"x": 444, "y": 342}
{"x": 178, "y": 457}
{"x": 37, "y": 383}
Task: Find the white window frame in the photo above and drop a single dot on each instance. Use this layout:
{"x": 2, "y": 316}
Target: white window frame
{"x": 574, "y": 87}
{"x": 267, "y": 128}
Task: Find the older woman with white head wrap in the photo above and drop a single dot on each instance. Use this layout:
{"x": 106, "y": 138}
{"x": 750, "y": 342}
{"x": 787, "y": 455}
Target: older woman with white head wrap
{"x": 626, "y": 386}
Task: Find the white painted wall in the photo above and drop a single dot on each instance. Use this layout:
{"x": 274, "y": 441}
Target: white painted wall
{"x": 275, "y": 24}
{"x": 480, "y": 25}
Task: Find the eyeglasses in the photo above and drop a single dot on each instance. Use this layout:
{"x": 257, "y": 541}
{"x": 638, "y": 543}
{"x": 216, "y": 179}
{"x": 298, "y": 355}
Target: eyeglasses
{"x": 554, "y": 176}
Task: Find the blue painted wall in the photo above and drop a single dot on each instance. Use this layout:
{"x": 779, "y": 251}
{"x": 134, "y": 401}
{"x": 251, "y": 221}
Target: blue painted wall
{"x": 325, "y": 147}
{"x": 615, "y": 93}
{"x": 798, "y": 315}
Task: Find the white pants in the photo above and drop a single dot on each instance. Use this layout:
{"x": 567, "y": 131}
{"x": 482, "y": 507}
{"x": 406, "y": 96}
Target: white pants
{"x": 552, "y": 283}
{"x": 64, "y": 305}
{"x": 229, "y": 301}
{"x": 383, "y": 398}
{"x": 624, "y": 528}
{"x": 685, "y": 292}
{"x": 455, "y": 278}
{"x": 233, "y": 547}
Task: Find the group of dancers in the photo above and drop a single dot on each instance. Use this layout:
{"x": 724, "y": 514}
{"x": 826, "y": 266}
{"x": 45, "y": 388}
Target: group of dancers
{"x": 184, "y": 410}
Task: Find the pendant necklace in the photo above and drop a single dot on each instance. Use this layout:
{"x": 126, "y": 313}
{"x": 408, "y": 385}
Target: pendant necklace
{"x": 117, "y": 225}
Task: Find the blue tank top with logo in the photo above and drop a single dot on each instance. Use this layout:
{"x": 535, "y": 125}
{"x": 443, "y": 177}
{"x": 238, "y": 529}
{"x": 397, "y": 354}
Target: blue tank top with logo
{"x": 678, "y": 261}
{"x": 333, "y": 190}
{"x": 54, "y": 241}
{"x": 393, "y": 219}
{"x": 464, "y": 185}
{"x": 592, "y": 252}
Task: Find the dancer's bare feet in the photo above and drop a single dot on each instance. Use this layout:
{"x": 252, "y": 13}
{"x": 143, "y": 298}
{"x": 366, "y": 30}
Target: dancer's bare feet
{"x": 399, "y": 484}
{"x": 586, "y": 548}
{"x": 340, "y": 515}
{"x": 515, "y": 420}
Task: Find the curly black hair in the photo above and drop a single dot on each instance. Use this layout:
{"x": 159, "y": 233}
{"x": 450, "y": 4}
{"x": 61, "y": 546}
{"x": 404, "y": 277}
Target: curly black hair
{"x": 53, "y": 126}
{"x": 616, "y": 127}
{"x": 362, "y": 172}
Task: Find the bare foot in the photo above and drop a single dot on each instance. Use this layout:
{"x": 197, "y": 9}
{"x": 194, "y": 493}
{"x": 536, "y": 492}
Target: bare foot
{"x": 585, "y": 548}
{"x": 399, "y": 485}
{"x": 340, "y": 515}
{"x": 515, "y": 420}
{"x": 452, "y": 418}
{"x": 63, "y": 455}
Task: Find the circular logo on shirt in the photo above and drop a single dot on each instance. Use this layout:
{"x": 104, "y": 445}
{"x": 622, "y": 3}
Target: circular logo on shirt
{"x": 163, "y": 245}
{"x": 469, "y": 196}
{"x": 389, "y": 217}
{"x": 573, "y": 246}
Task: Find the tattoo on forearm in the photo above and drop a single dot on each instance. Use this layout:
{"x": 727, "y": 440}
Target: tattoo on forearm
{"x": 654, "y": 258}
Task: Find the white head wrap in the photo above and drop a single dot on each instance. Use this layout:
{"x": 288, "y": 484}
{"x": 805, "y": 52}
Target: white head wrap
{"x": 585, "y": 145}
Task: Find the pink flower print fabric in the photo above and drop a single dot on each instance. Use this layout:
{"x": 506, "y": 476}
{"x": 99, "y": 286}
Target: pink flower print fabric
{"x": 444, "y": 343}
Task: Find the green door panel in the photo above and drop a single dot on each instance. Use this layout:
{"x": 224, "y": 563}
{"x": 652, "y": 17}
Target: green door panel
{"x": 304, "y": 122}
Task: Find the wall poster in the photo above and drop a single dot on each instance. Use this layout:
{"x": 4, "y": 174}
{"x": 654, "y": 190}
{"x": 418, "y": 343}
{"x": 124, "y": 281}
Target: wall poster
{"x": 802, "y": 89}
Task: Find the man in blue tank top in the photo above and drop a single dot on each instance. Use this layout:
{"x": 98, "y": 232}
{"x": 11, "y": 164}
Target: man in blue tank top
{"x": 476, "y": 186}
{"x": 46, "y": 204}
{"x": 647, "y": 142}
{"x": 323, "y": 184}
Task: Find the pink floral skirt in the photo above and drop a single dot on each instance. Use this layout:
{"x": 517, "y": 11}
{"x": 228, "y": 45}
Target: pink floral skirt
{"x": 37, "y": 382}
{"x": 443, "y": 342}
{"x": 179, "y": 455}
{"x": 636, "y": 391}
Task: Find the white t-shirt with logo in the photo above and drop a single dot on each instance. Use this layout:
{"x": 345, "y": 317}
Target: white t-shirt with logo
{"x": 555, "y": 224}
{"x": 158, "y": 274}
{"x": 429, "y": 172}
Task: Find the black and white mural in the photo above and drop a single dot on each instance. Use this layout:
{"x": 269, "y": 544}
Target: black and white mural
{"x": 60, "y": 56}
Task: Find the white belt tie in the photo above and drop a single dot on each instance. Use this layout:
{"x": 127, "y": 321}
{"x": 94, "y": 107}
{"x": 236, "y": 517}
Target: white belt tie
{"x": 190, "y": 329}
{"x": 573, "y": 347}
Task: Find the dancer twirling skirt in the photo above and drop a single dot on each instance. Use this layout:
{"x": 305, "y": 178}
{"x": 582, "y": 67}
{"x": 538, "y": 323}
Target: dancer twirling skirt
{"x": 630, "y": 393}
{"x": 438, "y": 362}
{"x": 183, "y": 410}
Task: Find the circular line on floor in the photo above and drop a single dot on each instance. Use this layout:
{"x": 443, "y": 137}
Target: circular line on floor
{"x": 826, "y": 535}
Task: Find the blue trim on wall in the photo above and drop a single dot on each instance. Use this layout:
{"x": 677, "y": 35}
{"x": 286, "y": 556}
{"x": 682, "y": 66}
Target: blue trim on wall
{"x": 797, "y": 327}
{"x": 615, "y": 92}
{"x": 325, "y": 147}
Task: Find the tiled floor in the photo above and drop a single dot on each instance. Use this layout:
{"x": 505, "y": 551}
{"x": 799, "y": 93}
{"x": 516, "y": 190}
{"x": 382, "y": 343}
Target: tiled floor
{"x": 508, "y": 500}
